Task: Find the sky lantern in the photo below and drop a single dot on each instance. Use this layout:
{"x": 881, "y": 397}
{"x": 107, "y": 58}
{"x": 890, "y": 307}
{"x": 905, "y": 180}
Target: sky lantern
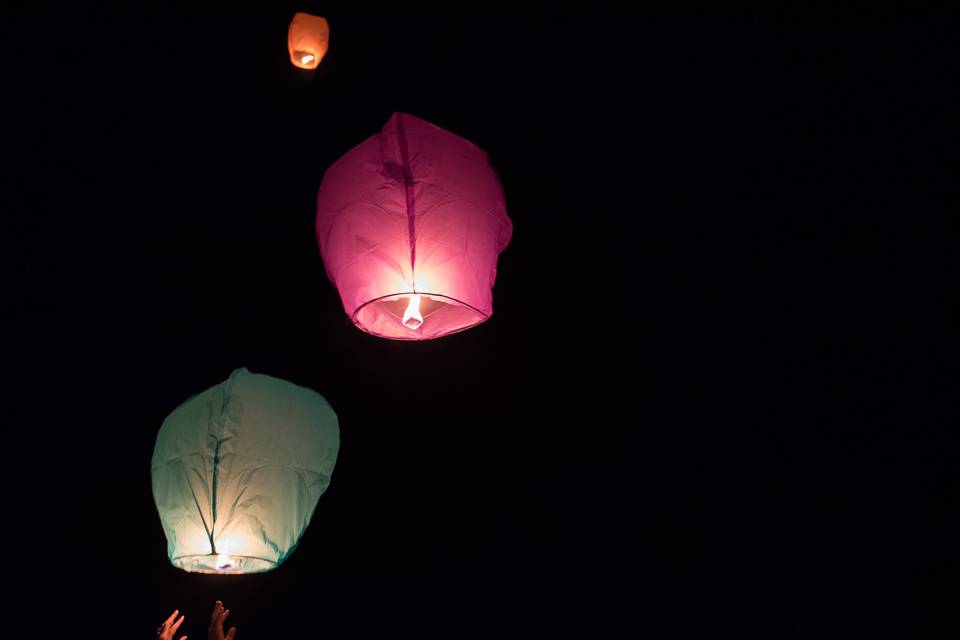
{"x": 307, "y": 40}
{"x": 237, "y": 471}
{"x": 410, "y": 225}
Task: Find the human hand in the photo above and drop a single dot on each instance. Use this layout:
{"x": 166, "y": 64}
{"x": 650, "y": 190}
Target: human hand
{"x": 216, "y": 624}
{"x": 169, "y": 627}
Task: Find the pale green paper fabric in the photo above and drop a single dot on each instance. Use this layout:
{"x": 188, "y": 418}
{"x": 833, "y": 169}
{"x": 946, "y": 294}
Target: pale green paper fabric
{"x": 237, "y": 472}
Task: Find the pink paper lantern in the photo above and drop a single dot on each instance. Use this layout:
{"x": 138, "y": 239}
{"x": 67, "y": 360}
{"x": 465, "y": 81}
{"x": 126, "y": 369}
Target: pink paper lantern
{"x": 410, "y": 225}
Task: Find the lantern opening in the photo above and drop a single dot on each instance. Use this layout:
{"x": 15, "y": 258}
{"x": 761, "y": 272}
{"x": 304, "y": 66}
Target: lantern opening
{"x": 416, "y": 316}
{"x": 307, "y": 58}
{"x": 223, "y": 564}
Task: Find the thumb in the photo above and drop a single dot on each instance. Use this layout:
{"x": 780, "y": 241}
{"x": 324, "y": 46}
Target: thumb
{"x": 231, "y": 633}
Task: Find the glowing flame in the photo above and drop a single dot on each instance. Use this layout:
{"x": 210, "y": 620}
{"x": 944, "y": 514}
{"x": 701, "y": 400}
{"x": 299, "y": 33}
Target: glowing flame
{"x": 411, "y": 317}
{"x": 224, "y": 562}
{"x": 307, "y": 59}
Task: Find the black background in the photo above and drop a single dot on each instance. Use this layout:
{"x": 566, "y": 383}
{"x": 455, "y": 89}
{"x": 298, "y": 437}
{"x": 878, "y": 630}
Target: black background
{"x": 717, "y": 394}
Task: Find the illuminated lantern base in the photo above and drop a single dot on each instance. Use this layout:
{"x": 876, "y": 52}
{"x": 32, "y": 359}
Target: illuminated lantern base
{"x": 440, "y": 315}
{"x": 222, "y": 563}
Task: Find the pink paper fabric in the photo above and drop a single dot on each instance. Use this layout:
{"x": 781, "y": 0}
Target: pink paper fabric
{"x": 413, "y": 210}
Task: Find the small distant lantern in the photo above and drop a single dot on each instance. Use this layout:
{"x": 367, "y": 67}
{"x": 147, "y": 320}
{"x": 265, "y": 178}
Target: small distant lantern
{"x": 237, "y": 471}
{"x": 307, "y": 40}
{"x": 410, "y": 225}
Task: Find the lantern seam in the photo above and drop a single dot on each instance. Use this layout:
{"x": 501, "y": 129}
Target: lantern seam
{"x": 410, "y": 196}
{"x": 207, "y": 528}
{"x": 221, "y": 425}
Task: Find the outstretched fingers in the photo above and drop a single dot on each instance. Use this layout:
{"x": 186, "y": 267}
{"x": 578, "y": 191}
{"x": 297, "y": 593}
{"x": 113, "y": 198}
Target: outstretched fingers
{"x": 176, "y": 625}
{"x": 169, "y": 621}
{"x": 215, "y": 616}
{"x": 223, "y": 616}
{"x": 216, "y": 623}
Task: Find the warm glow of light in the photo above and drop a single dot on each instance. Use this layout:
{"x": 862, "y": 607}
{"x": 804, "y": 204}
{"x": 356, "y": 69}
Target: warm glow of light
{"x": 411, "y": 317}
{"x": 230, "y": 544}
{"x": 224, "y": 562}
{"x": 199, "y": 542}
{"x": 423, "y": 282}
{"x": 307, "y": 40}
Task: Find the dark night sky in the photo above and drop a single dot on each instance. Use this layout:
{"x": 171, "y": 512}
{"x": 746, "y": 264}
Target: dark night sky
{"x": 717, "y": 394}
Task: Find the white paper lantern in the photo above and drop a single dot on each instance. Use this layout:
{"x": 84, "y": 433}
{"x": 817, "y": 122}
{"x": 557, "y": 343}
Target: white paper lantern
{"x": 237, "y": 472}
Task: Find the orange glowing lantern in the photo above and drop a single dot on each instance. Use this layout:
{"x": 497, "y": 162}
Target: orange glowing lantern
{"x": 307, "y": 40}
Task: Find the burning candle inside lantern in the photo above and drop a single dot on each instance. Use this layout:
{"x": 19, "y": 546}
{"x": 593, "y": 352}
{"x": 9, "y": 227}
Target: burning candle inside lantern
{"x": 224, "y": 562}
{"x": 411, "y": 317}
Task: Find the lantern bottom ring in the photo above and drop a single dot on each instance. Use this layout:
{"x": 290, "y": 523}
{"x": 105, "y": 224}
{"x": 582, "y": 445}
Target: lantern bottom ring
{"x": 213, "y": 563}
{"x": 441, "y": 316}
